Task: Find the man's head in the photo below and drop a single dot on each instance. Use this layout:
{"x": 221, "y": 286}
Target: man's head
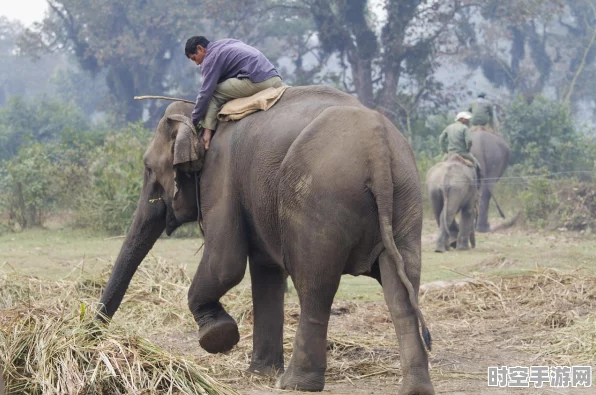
{"x": 196, "y": 48}
{"x": 463, "y": 117}
{"x": 482, "y": 95}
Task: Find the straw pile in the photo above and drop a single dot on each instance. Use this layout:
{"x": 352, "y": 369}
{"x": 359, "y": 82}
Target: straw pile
{"x": 50, "y": 344}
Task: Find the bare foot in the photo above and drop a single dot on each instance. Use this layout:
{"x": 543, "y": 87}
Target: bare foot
{"x": 206, "y": 139}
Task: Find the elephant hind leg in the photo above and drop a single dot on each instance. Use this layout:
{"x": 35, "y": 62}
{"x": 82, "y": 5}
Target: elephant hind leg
{"x": 414, "y": 360}
{"x": 453, "y": 232}
{"x": 436, "y": 198}
{"x": 442, "y": 243}
{"x": 466, "y": 227}
{"x": 315, "y": 265}
{"x": 447, "y": 224}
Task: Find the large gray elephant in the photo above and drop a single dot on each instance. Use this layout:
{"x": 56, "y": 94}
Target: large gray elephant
{"x": 452, "y": 189}
{"x": 492, "y": 152}
{"x": 316, "y": 187}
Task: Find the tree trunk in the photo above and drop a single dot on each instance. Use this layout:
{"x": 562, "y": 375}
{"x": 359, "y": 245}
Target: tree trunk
{"x": 121, "y": 83}
{"x": 362, "y": 75}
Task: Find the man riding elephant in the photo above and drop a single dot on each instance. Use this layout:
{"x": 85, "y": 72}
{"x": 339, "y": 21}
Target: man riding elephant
{"x": 457, "y": 139}
{"x": 230, "y": 70}
{"x": 482, "y": 113}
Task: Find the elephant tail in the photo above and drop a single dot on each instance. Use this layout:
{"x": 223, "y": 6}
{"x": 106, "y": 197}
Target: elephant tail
{"x": 391, "y": 248}
{"x": 382, "y": 187}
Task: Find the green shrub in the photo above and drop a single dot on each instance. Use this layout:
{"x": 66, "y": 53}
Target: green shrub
{"x": 424, "y": 162}
{"x": 426, "y": 131}
{"x": 116, "y": 171}
{"x": 41, "y": 119}
{"x": 539, "y": 201}
{"x": 38, "y": 180}
{"x": 544, "y": 140}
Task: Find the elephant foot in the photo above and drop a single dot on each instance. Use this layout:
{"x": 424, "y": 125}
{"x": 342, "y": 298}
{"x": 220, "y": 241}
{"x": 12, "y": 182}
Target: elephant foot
{"x": 219, "y": 334}
{"x": 462, "y": 248}
{"x": 483, "y": 228}
{"x": 441, "y": 247}
{"x": 301, "y": 381}
{"x": 265, "y": 370}
{"x": 417, "y": 386}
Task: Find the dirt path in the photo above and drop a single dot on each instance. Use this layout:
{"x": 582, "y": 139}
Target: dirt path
{"x": 540, "y": 319}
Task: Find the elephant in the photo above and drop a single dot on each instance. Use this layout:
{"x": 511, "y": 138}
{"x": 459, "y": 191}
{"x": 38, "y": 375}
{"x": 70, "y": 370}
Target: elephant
{"x": 452, "y": 189}
{"x": 492, "y": 153}
{"x": 316, "y": 187}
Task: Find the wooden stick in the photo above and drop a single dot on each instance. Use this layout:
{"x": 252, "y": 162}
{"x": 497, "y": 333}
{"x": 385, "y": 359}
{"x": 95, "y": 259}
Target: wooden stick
{"x": 163, "y": 98}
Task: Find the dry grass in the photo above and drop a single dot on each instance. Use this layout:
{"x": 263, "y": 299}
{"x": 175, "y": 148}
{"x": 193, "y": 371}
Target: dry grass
{"x": 542, "y": 317}
{"x": 50, "y": 344}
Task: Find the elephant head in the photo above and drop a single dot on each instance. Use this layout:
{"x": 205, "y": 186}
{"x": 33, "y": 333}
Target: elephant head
{"x": 170, "y": 161}
{"x": 169, "y": 198}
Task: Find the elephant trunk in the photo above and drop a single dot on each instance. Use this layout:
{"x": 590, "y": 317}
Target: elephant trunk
{"x": 148, "y": 224}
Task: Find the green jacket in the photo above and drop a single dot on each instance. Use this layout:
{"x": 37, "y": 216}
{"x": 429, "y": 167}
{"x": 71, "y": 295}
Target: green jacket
{"x": 456, "y": 138}
{"x": 482, "y": 112}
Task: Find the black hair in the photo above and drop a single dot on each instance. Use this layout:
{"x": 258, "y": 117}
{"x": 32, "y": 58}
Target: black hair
{"x": 191, "y": 44}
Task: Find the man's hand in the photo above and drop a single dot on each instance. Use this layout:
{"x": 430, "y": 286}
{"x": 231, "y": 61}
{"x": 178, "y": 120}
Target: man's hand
{"x": 206, "y": 138}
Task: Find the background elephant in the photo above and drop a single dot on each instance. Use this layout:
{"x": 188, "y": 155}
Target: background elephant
{"x": 452, "y": 189}
{"x": 297, "y": 190}
{"x": 492, "y": 152}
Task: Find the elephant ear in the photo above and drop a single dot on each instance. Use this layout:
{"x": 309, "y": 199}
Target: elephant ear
{"x": 188, "y": 152}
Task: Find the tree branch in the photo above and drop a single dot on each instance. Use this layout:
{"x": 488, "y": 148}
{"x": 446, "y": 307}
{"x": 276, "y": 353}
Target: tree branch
{"x": 580, "y": 69}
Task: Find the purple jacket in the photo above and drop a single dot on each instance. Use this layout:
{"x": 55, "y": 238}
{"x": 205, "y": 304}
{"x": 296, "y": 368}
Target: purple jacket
{"x": 229, "y": 59}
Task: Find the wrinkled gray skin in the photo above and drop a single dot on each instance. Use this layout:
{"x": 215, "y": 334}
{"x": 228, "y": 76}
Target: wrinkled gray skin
{"x": 452, "y": 189}
{"x": 492, "y": 152}
{"x": 317, "y": 187}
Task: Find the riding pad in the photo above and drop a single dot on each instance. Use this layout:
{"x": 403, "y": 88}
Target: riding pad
{"x": 460, "y": 159}
{"x": 237, "y": 109}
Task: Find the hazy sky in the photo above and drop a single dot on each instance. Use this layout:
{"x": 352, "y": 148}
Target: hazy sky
{"x": 27, "y": 11}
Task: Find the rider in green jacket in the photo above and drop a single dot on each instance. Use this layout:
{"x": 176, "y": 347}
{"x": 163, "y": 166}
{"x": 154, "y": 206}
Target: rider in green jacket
{"x": 457, "y": 139}
{"x": 482, "y": 112}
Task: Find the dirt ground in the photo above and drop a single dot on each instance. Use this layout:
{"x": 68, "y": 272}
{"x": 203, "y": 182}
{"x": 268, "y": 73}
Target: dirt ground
{"x": 522, "y": 298}
{"x": 538, "y": 319}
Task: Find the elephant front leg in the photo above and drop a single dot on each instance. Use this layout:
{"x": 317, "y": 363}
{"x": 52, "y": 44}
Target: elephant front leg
{"x": 268, "y": 285}
{"x": 216, "y": 275}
